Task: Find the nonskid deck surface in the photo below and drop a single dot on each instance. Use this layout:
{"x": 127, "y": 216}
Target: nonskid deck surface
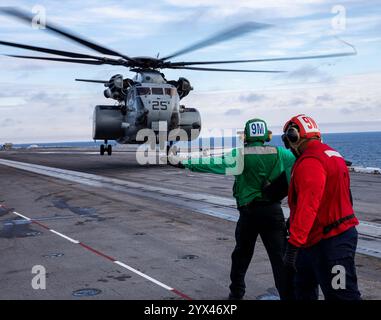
{"x": 137, "y": 232}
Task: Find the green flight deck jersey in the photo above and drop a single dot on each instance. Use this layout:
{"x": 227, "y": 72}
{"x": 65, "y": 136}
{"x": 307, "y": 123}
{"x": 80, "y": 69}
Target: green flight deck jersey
{"x": 252, "y": 166}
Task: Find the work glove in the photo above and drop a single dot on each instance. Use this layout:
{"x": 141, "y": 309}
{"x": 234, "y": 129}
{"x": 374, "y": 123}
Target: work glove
{"x": 289, "y": 258}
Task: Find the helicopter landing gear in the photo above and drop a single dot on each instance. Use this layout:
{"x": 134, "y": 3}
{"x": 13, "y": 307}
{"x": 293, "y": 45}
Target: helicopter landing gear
{"x": 109, "y": 149}
{"x": 105, "y": 148}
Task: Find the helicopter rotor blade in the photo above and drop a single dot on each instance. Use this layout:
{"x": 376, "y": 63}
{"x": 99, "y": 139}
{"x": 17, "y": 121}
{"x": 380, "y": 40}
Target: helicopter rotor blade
{"x": 225, "y": 35}
{"x": 82, "y": 61}
{"x": 228, "y": 70}
{"x": 93, "y": 81}
{"x": 28, "y": 18}
{"x": 50, "y": 51}
{"x": 322, "y": 56}
{"x": 310, "y": 57}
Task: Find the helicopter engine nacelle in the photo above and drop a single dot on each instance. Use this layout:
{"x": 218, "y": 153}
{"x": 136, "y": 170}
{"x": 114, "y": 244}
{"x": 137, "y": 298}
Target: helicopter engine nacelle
{"x": 107, "y": 123}
{"x": 116, "y": 87}
{"x": 183, "y": 86}
{"x": 190, "y": 121}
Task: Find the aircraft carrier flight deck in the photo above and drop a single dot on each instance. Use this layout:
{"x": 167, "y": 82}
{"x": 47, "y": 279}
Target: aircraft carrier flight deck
{"x": 109, "y": 228}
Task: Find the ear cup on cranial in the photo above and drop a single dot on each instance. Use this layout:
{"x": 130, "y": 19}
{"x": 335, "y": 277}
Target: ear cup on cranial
{"x": 292, "y": 134}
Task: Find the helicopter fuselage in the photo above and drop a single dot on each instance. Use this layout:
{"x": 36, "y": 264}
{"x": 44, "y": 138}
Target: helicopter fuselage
{"x": 149, "y": 103}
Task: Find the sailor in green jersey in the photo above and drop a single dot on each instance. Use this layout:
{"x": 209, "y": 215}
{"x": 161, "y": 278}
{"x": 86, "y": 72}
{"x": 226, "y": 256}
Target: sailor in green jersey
{"x": 262, "y": 173}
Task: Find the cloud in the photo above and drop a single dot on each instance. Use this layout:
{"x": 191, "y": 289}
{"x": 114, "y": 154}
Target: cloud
{"x": 134, "y": 15}
{"x": 359, "y": 107}
{"x": 350, "y": 126}
{"x": 324, "y": 98}
{"x": 233, "y": 112}
{"x": 296, "y": 101}
{"x": 358, "y": 93}
{"x": 12, "y": 64}
{"x": 51, "y": 99}
{"x": 9, "y": 122}
{"x": 252, "y": 97}
{"x": 226, "y": 8}
{"x": 309, "y": 72}
{"x": 74, "y": 111}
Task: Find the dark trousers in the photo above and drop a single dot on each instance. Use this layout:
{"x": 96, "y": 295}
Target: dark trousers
{"x": 266, "y": 220}
{"x": 322, "y": 263}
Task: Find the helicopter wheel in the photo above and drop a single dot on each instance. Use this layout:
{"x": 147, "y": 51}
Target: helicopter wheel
{"x": 102, "y": 149}
{"x": 109, "y": 149}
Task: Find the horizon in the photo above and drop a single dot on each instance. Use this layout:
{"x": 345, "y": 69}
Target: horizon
{"x": 203, "y": 137}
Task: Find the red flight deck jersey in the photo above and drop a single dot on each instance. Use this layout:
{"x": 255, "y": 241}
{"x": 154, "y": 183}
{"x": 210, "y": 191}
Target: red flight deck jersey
{"x": 319, "y": 195}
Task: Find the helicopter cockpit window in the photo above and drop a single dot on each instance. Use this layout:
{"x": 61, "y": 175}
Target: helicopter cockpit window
{"x": 142, "y": 91}
{"x": 157, "y": 91}
{"x": 170, "y": 91}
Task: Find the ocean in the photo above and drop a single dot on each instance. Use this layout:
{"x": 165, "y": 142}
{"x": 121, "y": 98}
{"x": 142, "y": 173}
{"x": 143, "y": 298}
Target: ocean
{"x": 363, "y": 149}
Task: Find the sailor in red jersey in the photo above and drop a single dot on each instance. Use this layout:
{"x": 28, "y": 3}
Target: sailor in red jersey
{"x": 323, "y": 238}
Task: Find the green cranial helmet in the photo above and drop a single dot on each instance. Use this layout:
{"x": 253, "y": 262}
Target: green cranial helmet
{"x": 256, "y": 130}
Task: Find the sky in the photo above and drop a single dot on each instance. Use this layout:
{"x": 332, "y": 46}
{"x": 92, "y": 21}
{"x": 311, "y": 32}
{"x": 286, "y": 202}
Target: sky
{"x": 41, "y": 102}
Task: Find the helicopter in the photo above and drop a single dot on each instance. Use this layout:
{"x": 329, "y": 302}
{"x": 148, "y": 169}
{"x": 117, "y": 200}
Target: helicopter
{"x": 147, "y": 99}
